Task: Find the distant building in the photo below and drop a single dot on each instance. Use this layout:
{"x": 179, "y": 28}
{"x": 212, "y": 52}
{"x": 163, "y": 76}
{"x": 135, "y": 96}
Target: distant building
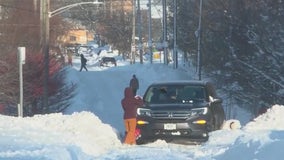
{"x": 77, "y": 36}
{"x": 117, "y": 5}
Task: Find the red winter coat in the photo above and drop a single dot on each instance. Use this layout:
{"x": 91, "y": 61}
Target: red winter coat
{"x": 130, "y": 104}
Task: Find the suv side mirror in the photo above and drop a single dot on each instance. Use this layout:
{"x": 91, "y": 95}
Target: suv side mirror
{"x": 215, "y": 100}
{"x": 218, "y": 100}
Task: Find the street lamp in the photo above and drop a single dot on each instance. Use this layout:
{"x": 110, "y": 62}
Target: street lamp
{"x": 63, "y": 9}
{"x": 45, "y": 15}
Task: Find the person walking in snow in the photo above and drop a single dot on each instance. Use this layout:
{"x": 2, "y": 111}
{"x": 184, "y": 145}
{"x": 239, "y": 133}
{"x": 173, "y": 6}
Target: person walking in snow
{"x": 134, "y": 84}
{"x": 130, "y": 104}
{"x": 83, "y": 63}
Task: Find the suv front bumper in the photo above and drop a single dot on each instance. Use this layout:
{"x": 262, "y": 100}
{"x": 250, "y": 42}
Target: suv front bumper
{"x": 169, "y": 131}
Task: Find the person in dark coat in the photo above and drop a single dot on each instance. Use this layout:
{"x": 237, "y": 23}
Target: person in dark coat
{"x": 130, "y": 104}
{"x": 134, "y": 84}
{"x": 83, "y": 63}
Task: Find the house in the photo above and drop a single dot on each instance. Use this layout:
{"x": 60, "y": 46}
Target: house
{"x": 76, "y": 36}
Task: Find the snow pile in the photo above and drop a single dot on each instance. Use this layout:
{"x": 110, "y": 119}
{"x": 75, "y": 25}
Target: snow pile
{"x": 259, "y": 139}
{"x": 273, "y": 119}
{"x": 51, "y": 135}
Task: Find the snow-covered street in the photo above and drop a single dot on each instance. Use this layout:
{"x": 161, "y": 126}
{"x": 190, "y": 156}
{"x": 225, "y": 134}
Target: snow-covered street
{"x": 92, "y": 127}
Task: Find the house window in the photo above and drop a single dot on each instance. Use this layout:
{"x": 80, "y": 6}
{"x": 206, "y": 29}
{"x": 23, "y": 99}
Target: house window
{"x": 72, "y": 38}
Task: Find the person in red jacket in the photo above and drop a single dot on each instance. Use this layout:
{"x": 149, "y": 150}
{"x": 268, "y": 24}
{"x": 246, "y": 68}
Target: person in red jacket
{"x": 130, "y": 104}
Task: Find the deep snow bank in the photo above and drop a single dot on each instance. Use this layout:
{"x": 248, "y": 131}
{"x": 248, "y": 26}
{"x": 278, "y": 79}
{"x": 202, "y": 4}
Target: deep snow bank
{"x": 259, "y": 139}
{"x": 273, "y": 119}
{"x": 83, "y": 136}
{"x": 82, "y": 130}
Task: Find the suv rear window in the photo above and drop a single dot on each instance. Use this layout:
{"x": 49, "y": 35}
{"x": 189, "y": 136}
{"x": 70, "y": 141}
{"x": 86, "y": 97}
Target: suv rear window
{"x": 175, "y": 94}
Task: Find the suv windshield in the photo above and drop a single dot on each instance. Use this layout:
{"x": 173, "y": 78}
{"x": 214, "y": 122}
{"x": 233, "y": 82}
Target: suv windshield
{"x": 174, "y": 94}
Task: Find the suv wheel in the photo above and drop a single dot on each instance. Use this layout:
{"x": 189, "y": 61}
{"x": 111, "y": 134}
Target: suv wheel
{"x": 140, "y": 141}
{"x": 219, "y": 117}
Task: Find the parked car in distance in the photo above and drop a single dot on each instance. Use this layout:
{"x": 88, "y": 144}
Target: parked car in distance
{"x": 179, "y": 112}
{"x": 84, "y": 49}
{"x": 106, "y": 60}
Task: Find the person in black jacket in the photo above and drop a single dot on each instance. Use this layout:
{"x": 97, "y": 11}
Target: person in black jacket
{"x": 134, "y": 84}
{"x": 83, "y": 63}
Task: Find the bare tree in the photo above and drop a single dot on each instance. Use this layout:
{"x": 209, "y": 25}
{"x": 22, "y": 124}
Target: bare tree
{"x": 19, "y": 26}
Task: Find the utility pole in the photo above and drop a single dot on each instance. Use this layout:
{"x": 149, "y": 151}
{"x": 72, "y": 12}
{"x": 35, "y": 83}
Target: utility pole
{"x": 165, "y": 44}
{"x": 175, "y": 55}
{"x": 150, "y": 31}
{"x": 44, "y": 8}
{"x": 140, "y": 45}
{"x": 133, "y": 46}
{"x": 199, "y": 42}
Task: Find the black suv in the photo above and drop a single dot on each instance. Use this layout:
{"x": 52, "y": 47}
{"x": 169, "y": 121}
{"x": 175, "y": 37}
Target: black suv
{"x": 180, "y": 111}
